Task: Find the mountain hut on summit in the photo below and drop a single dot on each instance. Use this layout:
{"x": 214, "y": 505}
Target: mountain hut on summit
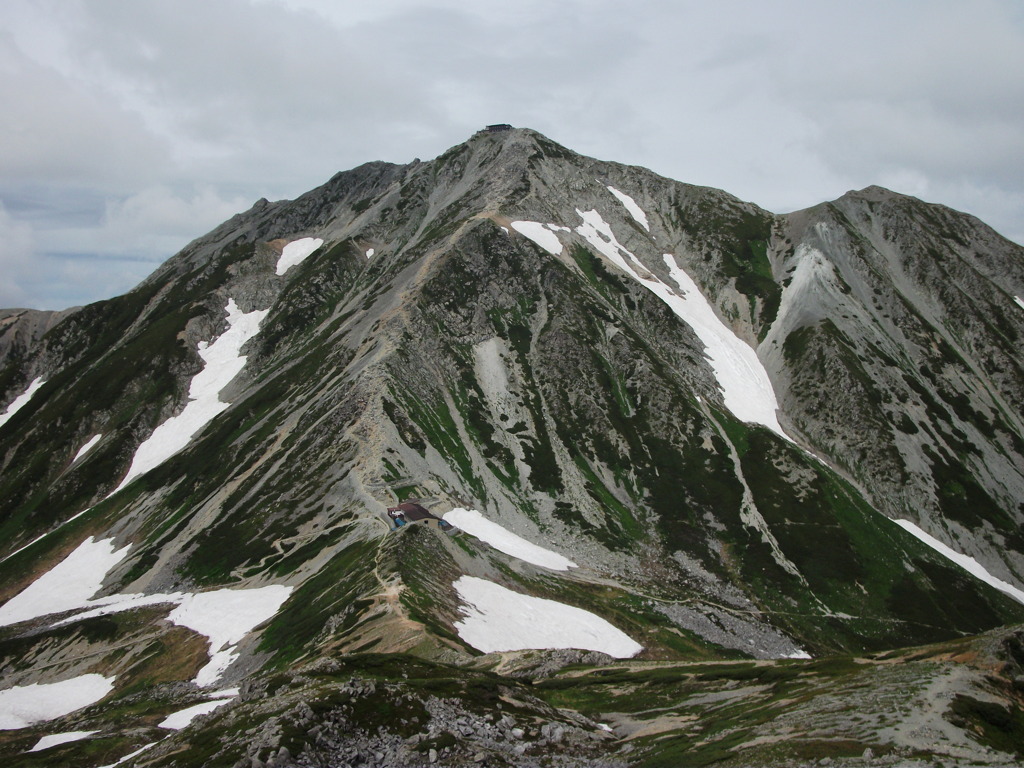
{"x": 408, "y": 512}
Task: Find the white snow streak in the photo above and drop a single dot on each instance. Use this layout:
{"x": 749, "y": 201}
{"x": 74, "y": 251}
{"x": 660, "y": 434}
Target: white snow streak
{"x": 296, "y": 252}
{"x": 130, "y": 755}
{"x": 630, "y": 204}
{"x": 599, "y": 234}
{"x": 542, "y": 234}
{"x": 223, "y": 362}
{"x": 969, "y": 564}
{"x": 121, "y": 603}
{"x": 475, "y": 524}
{"x": 225, "y": 616}
{"x": 21, "y": 400}
{"x": 60, "y": 738}
{"x": 178, "y": 720}
{"x": 1018, "y": 299}
{"x": 87, "y": 447}
{"x": 498, "y": 619}
{"x": 746, "y": 389}
{"x": 68, "y": 585}
{"x": 23, "y": 705}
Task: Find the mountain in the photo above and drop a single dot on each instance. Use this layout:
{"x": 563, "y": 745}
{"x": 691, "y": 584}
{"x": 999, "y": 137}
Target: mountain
{"x": 726, "y": 486}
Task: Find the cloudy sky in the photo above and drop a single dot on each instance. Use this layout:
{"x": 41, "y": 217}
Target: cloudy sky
{"x": 129, "y": 127}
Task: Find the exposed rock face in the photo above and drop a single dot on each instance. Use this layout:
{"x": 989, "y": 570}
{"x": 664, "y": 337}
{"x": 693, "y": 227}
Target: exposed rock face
{"x": 591, "y": 356}
{"x": 909, "y": 311}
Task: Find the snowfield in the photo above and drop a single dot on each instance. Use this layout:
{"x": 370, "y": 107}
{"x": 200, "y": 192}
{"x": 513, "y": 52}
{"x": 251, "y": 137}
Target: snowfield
{"x": 68, "y": 585}
{"x": 225, "y": 616}
{"x": 297, "y": 252}
{"x": 630, "y": 204}
{"x": 23, "y": 705}
{"x": 746, "y": 389}
{"x": 20, "y": 401}
{"x": 542, "y": 234}
{"x": 60, "y": 738}
{"x": 498, "y": 619}
{"x": 223, "y": 361}
{"x": 969, "y": 564}
{"x": 475, "y": 524}
{"x": 178, "y": 720}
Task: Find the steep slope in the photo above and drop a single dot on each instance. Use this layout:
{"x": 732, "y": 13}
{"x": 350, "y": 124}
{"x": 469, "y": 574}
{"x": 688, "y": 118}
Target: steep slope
{"x": 912, "y": 308}
{"x": 565, "y": 356}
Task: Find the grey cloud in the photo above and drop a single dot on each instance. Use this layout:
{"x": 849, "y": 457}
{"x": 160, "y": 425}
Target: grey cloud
{"x": 139, "y": 110}
{"x": 51, "y": 129}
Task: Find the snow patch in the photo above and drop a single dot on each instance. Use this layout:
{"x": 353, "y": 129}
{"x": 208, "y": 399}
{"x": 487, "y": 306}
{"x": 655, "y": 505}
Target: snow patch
{"x": 119, "y": 604}
{"x": 225, "y": 616}
{"x": 1018, "y": 299}
{"x": 598, "y": 233}
{"x": 130, "y": 755}
{"x": 87, "y": 447}
{"x": 23, "y": 705}
{"x": 178, "y": 720}
{"x": 475, "y": 524}
{"x": 798, "y": 654}
{"x": 542, "y": 234}
{"x": 222, "y": 362}
{"x": 21, "y": 400}
{"x": 498, "y": 619}
{"x": 746, "y": 389}
{"x": 630, "y": 204}
{"x": 297, "y": 252}
{"x": 969, "y": 564}
{"x": 60, "y": 738}
{"x": 68, "y": 585}
{"x": 369, "y": 253}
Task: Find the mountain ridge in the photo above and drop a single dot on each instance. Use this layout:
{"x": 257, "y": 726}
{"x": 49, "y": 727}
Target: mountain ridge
{"x": 518, "y": 330}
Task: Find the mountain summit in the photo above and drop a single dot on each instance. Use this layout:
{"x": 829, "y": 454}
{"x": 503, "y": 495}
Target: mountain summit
{"x": 520, "y": 457}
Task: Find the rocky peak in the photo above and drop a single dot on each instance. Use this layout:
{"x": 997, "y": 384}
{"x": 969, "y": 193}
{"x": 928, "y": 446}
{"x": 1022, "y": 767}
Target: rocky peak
{"x": 651, "y": 410}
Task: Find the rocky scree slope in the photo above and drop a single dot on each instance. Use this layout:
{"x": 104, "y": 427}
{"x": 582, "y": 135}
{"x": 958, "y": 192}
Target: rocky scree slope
{"x": 566, "y": 347}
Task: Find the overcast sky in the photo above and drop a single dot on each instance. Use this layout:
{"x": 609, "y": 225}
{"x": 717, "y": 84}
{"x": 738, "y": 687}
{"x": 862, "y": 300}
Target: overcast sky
{"x": 130, "y": 127}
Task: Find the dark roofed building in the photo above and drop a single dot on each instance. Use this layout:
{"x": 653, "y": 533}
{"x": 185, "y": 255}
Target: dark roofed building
{"x": 498, "y": 127}
{"x": 414, "y": 513}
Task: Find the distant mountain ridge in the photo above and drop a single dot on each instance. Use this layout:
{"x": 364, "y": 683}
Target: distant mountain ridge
{"x": 669, "y": 426}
